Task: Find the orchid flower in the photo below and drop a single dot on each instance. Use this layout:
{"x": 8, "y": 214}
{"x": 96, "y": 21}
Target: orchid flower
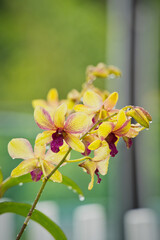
{"x": 93, "y": 105}
{"x": 98, "y": 164}
{"x": 111, "y": 131}
{"x": 35, "y": 162}
{"x": 59, "y": 130}
{"x": 102, "y": 71}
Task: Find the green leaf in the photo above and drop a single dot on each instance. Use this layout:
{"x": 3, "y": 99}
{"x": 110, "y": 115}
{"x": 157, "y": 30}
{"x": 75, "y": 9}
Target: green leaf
{"x": 73, "y": 186}
{"x": 23, "y": 209}
{"x": 11, "y": 182}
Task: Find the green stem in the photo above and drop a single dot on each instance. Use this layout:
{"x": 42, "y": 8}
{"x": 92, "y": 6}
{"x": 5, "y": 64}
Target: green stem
{"x": 31, "y": 210}
{"x": 39, "y": 195}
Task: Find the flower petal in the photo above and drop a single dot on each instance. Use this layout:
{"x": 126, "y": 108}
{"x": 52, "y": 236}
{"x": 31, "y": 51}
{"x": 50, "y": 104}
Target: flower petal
{"x": 43, "y": 119}
{"x": 90, "y": 167}
{"x": 47, "y": 169}
{"x": 111, "y": 101}
{"x": 128, "y": 141}
{"x": 74, "y": 142}
{"x": 123, "y": 124}
{"x": 134, "y": 130}
{"x": 77, "y": 123}
{"x": 104, "y": 129}
{"x": 103, "y": 166}
{"x": 59, "y": 115}
{"x": 92, "y": 99}
{"x": 121, "y": 119}
{"x": 39, "y": 102}
{"x": 39, "y": 150}
{"x": 102, "y": 152}
{"x": 52, "y": 95}
{"x": 44, "y": 137}
{"x": 95, "y": 144}
{"x": 20, "y": 148}
{"x": 84, "y": 108}
{"x": 24, "y": 167}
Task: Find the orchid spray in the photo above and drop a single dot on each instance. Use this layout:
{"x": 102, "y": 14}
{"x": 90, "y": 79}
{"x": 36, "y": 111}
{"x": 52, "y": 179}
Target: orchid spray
{"x": 86, "y": 121}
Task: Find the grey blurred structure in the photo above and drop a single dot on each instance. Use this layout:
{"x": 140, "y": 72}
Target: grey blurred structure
{"x": 141, "y": 224}
{"x": 7, "y": 224}
{"x": 89, "y": 222}
{"x": 133, "y": 46}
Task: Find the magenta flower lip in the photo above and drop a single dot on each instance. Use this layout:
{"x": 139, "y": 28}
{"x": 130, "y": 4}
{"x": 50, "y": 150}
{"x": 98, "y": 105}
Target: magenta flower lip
{"x": 97, "y": 174}
{"x": 111, "y": 139}
{"x": 87, "y": 151}
{"x": 57, "y": 141}
{"x": 36, "y": 174}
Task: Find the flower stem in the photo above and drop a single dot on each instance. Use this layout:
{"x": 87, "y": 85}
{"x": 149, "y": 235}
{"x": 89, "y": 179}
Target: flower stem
{"x": 31, "y": 210}
{"x": 39, "y": 195}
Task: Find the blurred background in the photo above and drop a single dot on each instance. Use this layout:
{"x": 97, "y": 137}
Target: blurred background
{"x": 49, "y": 44}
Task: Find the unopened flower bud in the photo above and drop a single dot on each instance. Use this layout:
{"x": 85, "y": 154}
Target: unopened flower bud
{"x": 140, "y": 115}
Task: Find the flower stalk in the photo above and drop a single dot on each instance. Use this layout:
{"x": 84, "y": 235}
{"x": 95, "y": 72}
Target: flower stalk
{"x": 45, "y": 180}
{"x": 85, "y": 121}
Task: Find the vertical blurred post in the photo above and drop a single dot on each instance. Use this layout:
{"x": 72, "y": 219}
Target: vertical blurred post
{"x": 141, "y": 224}
{"x": 121, "y": 52}
{"x": 7, "y": 224}
{"x": 132, "y": 45}
{"x": 89, "y": 222}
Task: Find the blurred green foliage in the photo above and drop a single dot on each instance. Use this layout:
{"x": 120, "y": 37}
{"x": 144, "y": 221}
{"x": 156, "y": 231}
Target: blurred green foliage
{"x": 47, "y": 44}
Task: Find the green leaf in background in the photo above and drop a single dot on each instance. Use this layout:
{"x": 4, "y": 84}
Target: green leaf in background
{"x": 11, "y": 182}
{"x": 73, "y": 186}
{"x": 23, "y": 209}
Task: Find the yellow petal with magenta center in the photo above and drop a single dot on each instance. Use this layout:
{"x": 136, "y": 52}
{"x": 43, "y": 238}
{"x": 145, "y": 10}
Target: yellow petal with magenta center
{"x": 24, "y": 167}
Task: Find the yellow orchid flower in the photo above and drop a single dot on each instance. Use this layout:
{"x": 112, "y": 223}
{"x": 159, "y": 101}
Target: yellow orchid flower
{"x": 104, "y": 146}
{"x": 35, "y": 162}
{"x": 110, "y": 132}
{"x": 50, "y": 104}
{"x": 98, "y": 164}
{"x": 59, "y": 129}
{"x": 94, "y": 105}
{"x": 102, "y": 71}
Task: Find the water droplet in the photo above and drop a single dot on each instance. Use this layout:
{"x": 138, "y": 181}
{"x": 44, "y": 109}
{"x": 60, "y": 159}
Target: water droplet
{"x": 147, "y": 129}
{"x": 69, "y": 187}
{"x": 21, "y": 184}
{"x": 150, "y": 121}
{"x": 111, "y": 76}
{"x": 81, "y": 198}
